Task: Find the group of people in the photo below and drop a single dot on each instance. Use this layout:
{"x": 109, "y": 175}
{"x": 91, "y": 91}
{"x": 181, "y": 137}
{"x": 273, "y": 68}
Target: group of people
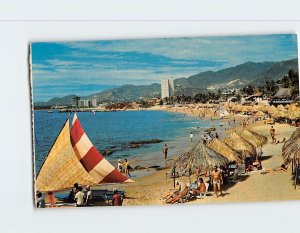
{"x": 124, "y": 167}
{"x": 273, "y": 138}
{"x": 206, "y": 139}
{"x": 41, "y": 200}
{"x": 79, "y": 197}
{"x": 199, "y": 189}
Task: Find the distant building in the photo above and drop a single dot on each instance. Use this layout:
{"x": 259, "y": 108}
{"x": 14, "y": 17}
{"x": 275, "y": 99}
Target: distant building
{"x": 283, "y": 96}
{"x": 94, "y": 102}
{"x": 84, "y": 103}
{"x": 171, "y": 87}
{"x": 167, "y": 88}
{"x": 257, "y": 98}
{"x": 75, "y": 101}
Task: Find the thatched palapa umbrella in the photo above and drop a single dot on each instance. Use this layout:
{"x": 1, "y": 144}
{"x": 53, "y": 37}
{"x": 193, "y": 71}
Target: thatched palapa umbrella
{"x": 253, "y": 137}
{"x": 291, "y": 148}
{"x": 293, "y": 115}
{"x": 245, "y": 148}
{"x": 225, "y": 150}
{"x": 259, "y": 114}
{"x": 291, "y": 152}
{"x": 280, "y": 107}
{"x": 199, "y": 156}
{"x": 279, "y": 114}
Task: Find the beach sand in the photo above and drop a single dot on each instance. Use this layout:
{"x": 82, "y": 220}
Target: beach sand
{"x": 273, "y": 186}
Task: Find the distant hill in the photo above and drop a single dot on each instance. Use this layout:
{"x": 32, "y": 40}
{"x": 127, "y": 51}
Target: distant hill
{"x": 129, "y": 93}
{"x": 276, "y": 71}
{"x": 255, "y": 73}
{"x": 66, "y": 100}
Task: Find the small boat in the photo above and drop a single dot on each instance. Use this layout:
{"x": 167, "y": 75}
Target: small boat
{"x": 50, "y": 111}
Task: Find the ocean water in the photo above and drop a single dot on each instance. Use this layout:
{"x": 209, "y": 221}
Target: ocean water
{"x": 115, "y": 130}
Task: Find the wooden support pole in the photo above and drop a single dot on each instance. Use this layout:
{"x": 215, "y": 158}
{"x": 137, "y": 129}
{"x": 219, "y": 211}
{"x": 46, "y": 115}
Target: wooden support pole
{"x": 174, "y": 176}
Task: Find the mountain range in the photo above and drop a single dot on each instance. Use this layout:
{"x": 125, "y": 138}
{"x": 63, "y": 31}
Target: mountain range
{"x": 249, "y": 73}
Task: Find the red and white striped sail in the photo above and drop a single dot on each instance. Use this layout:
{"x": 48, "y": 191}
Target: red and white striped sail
{"x": 91, "y": 159}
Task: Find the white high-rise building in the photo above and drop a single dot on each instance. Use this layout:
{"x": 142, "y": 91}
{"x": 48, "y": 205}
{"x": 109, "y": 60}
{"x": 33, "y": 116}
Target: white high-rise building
{"x": 167, "y": 88}
{"x": 94, "y": 101}
{"x": 171, "y": 87}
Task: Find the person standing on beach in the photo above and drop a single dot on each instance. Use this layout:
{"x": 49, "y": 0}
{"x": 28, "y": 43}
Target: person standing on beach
{"x": 127, "y": 168}
{"x": 116, "y": 199}
{"x": 217, "y": 181}
{"x": 73, "y": 191}
{"x": 272, "y": 133}
{"x": 40, "y": 201}
{"x": 120, "y": 166}
{"x": 79, "y": 197}
{"x": 217, "y": 136}
{"x": 191, "y": 136}
{"x": 165, "y": 151}
{"x": 88, "y": 198}
{"x": 51, "y": 199}
{"x": 203, "y": 138}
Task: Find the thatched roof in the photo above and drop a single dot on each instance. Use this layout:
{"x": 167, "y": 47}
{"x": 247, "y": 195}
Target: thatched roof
{"x": 259, "y": 114}
{"x": 293, "y": 115}
{"x": 280, "y": 107}
{"x": 291, "y": 148}
{"x": 253, "y": 137}
{"x": 199, "y": 156}
{"x": 225, "y": 150}
{"x": 245, "y": 148}
{"x": 271, "y": 109}
{"x": 279, "y": 114}
{"x": 283, "y": 93}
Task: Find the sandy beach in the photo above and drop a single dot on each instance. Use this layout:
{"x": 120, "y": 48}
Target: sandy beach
{"x": 256, "y": 186}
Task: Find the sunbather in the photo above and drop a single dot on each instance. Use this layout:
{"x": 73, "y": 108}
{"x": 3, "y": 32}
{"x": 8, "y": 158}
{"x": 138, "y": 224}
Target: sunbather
{"x": 201, "y": 188}
{"x": 182, "y": 190}
{"x": 283, "y": 168}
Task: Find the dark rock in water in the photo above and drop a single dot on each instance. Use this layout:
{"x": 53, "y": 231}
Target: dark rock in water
{"x": 154, "y": 166}
{"x": 107, "y": 152}
{"x": 146, "y": 142}
{"x": 139, "y": 168}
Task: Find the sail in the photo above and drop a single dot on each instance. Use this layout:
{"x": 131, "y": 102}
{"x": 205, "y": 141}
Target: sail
{"x": 61, "y": 168}
{"x": 91, "y": 159}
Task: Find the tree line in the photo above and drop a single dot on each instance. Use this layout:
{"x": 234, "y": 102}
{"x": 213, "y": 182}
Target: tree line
{"x": 291, "y": 80}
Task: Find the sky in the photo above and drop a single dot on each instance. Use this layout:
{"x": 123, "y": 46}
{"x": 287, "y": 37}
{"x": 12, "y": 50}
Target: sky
{"x": 87, "y": 67}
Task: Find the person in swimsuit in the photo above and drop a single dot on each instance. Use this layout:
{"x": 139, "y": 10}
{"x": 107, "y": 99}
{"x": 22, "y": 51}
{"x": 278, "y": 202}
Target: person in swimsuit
{"x": 127, "y": 168}
{"x": 217, "y": 181}
{"x": 201, "y": 188}
{"x": 182, "y": 190}
{"x": 272, "y": 133}
{"x": 165, "y": 151}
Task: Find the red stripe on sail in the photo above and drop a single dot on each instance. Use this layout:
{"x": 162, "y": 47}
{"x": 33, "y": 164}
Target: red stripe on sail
{"x": 91, "y": 159}
{"x": 76, "y": 132}
{"x": 114, "y": 177}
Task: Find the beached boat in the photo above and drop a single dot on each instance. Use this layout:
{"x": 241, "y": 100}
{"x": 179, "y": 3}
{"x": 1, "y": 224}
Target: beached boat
{"x": 74, "y": 159}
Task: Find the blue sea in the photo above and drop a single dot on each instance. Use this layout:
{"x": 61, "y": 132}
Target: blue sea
{"x": 115, "y": 130}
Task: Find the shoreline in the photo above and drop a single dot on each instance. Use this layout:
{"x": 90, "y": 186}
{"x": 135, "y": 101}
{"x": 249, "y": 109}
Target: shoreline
{"x": 151, "y": 184}
{"x": 273, "y": 187}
